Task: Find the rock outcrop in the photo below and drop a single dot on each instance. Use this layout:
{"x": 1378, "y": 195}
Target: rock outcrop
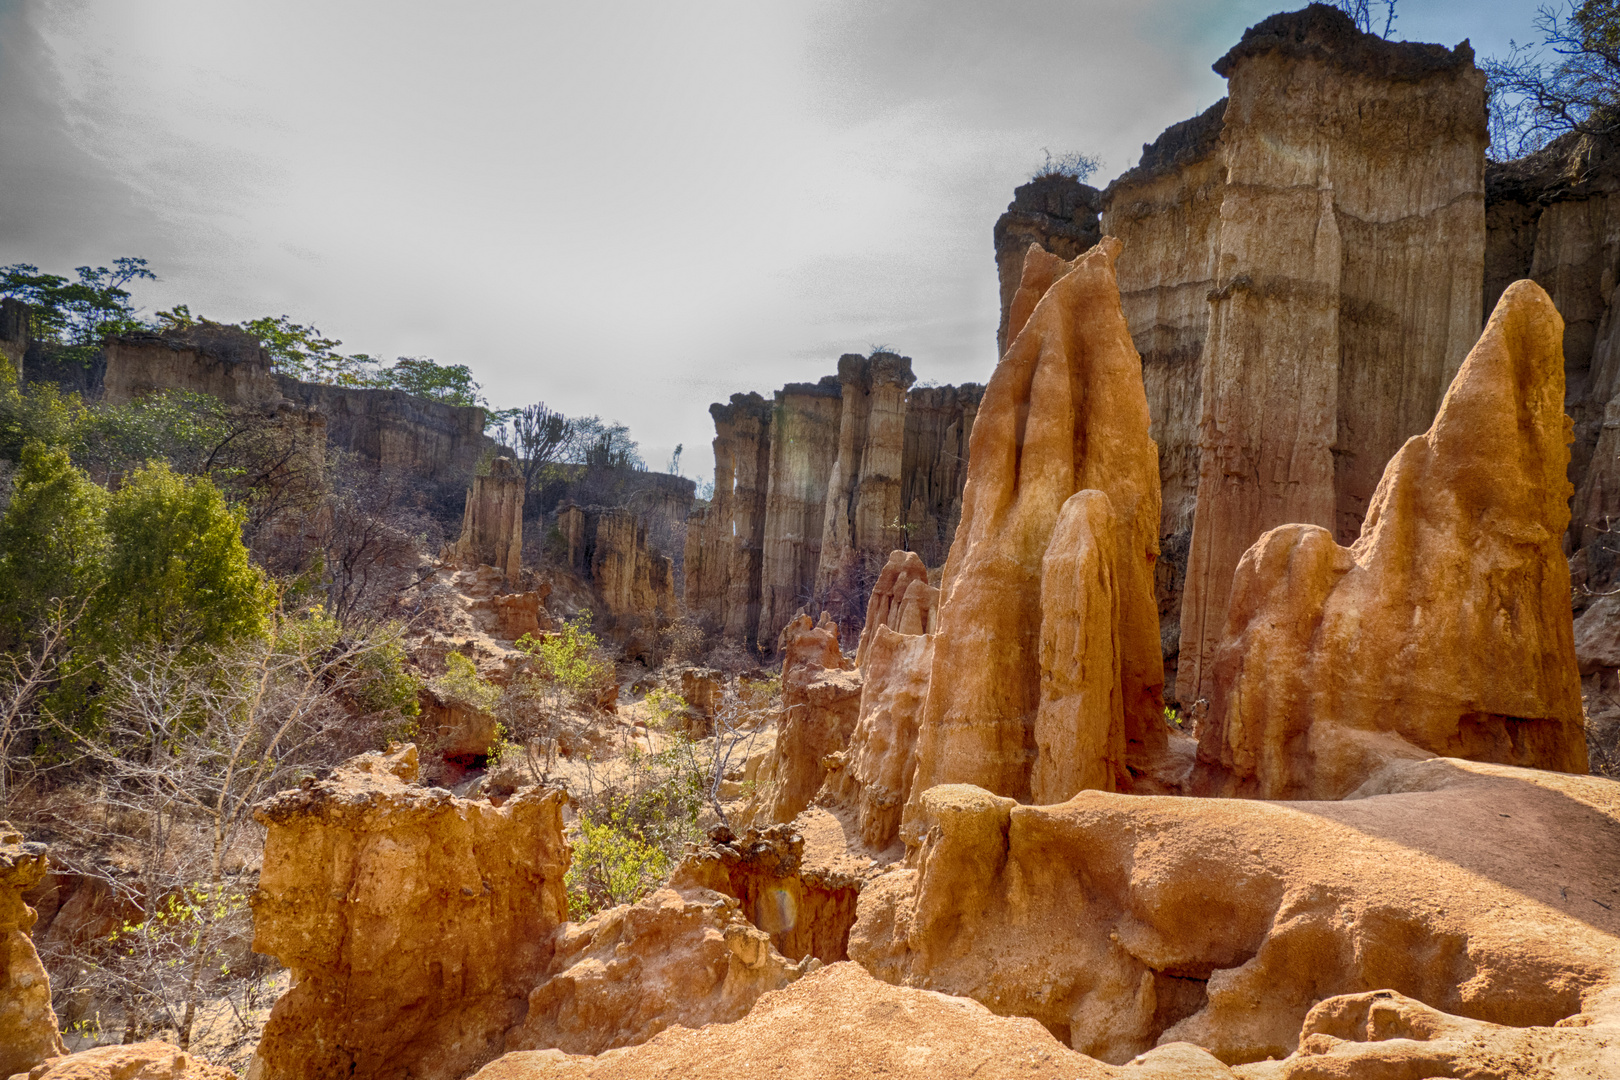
{"x": 133, "y": 1061}
{"x": 1128, "y": 922}
{"x": 627, "y": 973}
{"x": 28, "y": 1029}
{"x": 1054, "y": 211}
{"x": 813, "y": 490}
{"x": 820, "y": 702}
{"x": 1064, "y": 412}
{"x": 902, "y": 600}
{"x": 1445, "y": 629}
{"x": 492, "y": 522}
{"x": 806, "y": 910}
{"x": 415, "y": 923}
{"x": 608, "y": 547}
{"x": 226, "y": 362}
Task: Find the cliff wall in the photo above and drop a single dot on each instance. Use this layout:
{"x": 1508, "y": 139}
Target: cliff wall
{"x": 1301, "y": 275}
{"x": 813, "y": 490}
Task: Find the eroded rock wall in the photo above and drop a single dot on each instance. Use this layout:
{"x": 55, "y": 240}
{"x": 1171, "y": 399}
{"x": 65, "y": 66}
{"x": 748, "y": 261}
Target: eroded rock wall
{"x": 492, "y": 521}
{"x": 28, "y": 1028}
{"x": 804, "y": 446}
{"x": 1054, "y": 211}
{"x": 933, "y": 467}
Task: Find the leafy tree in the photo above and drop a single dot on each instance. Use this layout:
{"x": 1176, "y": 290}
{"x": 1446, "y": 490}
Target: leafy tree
{"x": 53, "y": 541}
{"x": 184, "y": 428}
{"x": 303, "y": 353}
{"x": 1536, "y": 97}
{"x": 77, "y": 313}
{"x": 178, "y": 568}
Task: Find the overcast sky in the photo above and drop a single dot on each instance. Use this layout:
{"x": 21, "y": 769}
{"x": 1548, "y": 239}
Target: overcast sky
{"x": 623, "y": 208}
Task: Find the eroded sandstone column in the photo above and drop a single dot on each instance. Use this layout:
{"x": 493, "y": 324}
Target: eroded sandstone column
{"x": 1445, "y": 629}
{"x": 751, "y": 455}
{"x": 492, "y": 523}
{"x": 804, "y": 444}
{"x": 1056, "y": 212}
{"x": 1064, "y": 412}
{"x": 888, "y": 603}
{"x": 1346, "y": 282}
{"x": 933, "y": 469}
{"x": 28, "y": 1028}
{"x": 415, "y": 923}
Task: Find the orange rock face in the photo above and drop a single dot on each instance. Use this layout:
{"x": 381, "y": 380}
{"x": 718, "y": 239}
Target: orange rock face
{"x": 28, "y": 1030}
{"x": 1124, "y": 922}
{"x": 902, "y": 599}
{"x": 820, "y": 704}
{"x": 1064, "y": 412}
{"x": 1446, "y": 628}
{"x": 627, "y": 973}
{"x": 415, "y": 923}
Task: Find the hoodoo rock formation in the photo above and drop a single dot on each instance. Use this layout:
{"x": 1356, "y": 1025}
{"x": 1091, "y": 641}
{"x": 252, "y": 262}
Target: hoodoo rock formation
{"x": 814, "y": 489}
{"x": 415, "y": 923}
{"x": 902, "y": 600}
{"x": 1064, "y": 412}
{"x": 609, "y": 548}
{"x": 1299, "y": 273}
{"x": 492, "y": 522}
{"x": 1128, "y": 922}
{"x": 1445, "y": 629}
{"x": 28, "y": 1031}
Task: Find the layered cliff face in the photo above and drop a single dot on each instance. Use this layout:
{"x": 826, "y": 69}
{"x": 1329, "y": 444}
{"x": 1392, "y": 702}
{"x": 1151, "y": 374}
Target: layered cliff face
{"x": 1299, "y": 270}
{"x": 853, "y": 467}
{"x": 609, "y": 548}
{"x": 1054, "y": 211}
{"x": 223, "y": 361}
{"x": 1445, "y": 629}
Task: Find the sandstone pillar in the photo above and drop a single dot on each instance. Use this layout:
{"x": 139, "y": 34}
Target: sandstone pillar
{"x": 1057, "y": 212}
{"x": 28, "y": 1028}
{"x": 492, "y": 522}
{"x": 750, "y": 418}
{"x": 804, "y": 444}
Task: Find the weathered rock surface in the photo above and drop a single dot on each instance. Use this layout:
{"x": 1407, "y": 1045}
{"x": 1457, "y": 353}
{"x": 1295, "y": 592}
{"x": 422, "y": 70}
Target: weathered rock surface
{"x": 820, "y": 703}
{"x": 415, "y": 923}
{"x": 224, "y": 361}
{"x": 872, "y": 778}
{"x": 814, "y": 489}
{"x": 133, "y": 1061}
{"x": 1064, "y": 412}
{"x": 629, "y": 972}
{"x": 1122, "y": 922}
{"x": 492, "y": 522}
{"x": 902, "y": 600}
{"x": 28, "y": 1028}
{"x": 807, "y": 910}
{"x": 1351, "y": 242}
{"x": 1445, "y": 629}
{"x": 1055, "y": 212}
{"x": 840, "y": 1022}
{"x": 609, "y": 548}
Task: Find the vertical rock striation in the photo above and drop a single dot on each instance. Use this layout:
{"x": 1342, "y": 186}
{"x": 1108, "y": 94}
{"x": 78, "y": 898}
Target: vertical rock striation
{"x": 1056, "y": 212}
{"x": 1064, "y": 412}
{"x": 1351, "y": 241}
{"x": 804, "y": 445}
{"x": 492, "y": 523}
{"x": 933, "y": 466}
{"x": 1445, "y": 630}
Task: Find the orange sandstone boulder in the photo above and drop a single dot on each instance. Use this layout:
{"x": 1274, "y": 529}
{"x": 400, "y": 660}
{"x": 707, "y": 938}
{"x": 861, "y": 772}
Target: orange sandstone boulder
{"x": 415, "y": 923}
{"x": 1125, "y": 922}
{"x": 1064, "y": 412}
{"x": 627, "y": 973}
{"x": 28, "y": 1030}
{"x": 1446, "y": 628}
{"x": 839, "y": 1023}
{"x": 134, "y": 1061}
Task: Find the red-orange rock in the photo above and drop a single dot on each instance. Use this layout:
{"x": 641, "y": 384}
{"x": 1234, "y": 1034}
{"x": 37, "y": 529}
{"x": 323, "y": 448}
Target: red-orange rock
{"x": 133, "y": 1061}
{"x": 28, "y": 1029}
{"x": 1445, "y": 629}
{"x": 1065, "y": 411}
{"x": 901, "y": 599}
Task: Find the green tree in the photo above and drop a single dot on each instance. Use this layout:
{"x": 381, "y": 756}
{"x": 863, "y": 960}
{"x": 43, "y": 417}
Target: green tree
{"x": 303, "y": 353}
{"x": 53, "y": 540}
{"x": 77, "y": 313}
{"x": 450, "y": 383}
{"x": 178, "y": 566}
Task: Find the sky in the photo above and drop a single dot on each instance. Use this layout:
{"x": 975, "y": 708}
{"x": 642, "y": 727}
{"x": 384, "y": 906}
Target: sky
{"x": 627, "y": 209}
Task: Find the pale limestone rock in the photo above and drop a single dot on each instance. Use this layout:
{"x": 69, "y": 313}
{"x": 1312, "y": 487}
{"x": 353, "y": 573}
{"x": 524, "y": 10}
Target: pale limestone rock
{"x": 1445, "y": 629}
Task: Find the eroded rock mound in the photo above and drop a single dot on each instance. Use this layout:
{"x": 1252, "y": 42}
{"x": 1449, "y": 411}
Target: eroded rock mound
{"x": 28, "y": 1029}
{"x": 1445, "y": 629}
{"x": 134, "y": 1061}
{"x": 840, "y": 1022}
{"x": 902, "y": 599}
{"x": 1122, "y": 922}
{"x": 627, "y": 973}
{"x": 415, "y": 923}
{"x": 1065, "y": 412}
